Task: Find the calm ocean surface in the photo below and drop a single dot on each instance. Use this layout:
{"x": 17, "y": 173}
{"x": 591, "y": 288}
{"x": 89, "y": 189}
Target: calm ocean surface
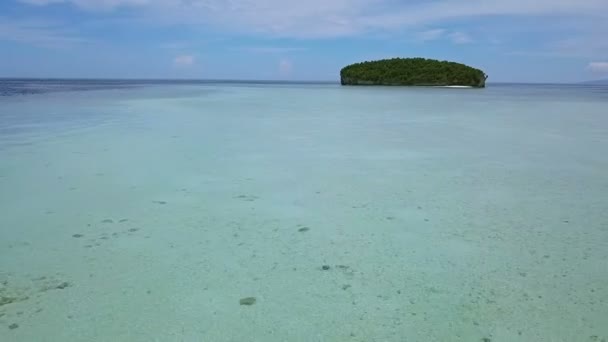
{"x": 146, "y": 211}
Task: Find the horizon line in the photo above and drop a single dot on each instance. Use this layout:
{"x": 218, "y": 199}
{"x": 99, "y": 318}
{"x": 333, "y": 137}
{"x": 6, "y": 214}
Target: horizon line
{"x": 228, "y": 80}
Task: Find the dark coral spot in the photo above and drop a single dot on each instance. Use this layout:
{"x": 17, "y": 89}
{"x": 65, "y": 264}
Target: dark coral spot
{"x": 63, "y": 285}
{"x": 247, "y": 301}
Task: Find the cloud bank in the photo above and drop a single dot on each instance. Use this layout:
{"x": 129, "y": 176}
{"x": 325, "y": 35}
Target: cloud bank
{"x": 570, "y": 28}
{"x": 335, "y": 18}
{"x": 90, "y": 4}
{"x": 598, "y": 67}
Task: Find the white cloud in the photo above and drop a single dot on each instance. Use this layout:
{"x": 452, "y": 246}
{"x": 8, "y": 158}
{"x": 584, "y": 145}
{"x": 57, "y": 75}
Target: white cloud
{"x": 269, "y": 49}
{"x": 458, "y": 9}
{"x": 599, "y": 67}
{"x": 460, "y": 38}
{"x": 429, "y": 35}
{"x": 91, "y": 4}
{"x": 285, "y": 67}
{"x": 591, "y": 43}
{"x": 41, "y": 2}
{"x": 175, "y": 45}
{"x": 335, "y": 18}
{"x": 184, "y": 61}
{"x": 455, "y": 37}
{"x": 288, "y": 18}
{"x": 37, "y": 32}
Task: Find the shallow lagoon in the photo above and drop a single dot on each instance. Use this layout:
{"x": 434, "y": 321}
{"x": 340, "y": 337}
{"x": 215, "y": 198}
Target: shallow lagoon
{"x": 302, "y": 212}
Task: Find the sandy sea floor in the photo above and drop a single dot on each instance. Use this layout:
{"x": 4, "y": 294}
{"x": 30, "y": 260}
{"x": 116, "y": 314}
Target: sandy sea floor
{"x": 349, "y": 214}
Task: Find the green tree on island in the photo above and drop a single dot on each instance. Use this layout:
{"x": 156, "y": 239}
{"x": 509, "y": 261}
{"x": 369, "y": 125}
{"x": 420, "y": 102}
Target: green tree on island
{"x": 412, "y": 72}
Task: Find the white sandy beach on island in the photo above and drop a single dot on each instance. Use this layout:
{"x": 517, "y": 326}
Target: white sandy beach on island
{"x": 455, "y": 86}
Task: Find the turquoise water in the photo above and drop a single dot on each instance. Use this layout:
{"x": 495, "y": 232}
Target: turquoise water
{"x": 146, "y": 212}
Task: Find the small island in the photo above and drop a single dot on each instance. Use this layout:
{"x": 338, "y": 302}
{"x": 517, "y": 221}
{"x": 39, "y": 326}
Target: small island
{"x": 413, "y": 72}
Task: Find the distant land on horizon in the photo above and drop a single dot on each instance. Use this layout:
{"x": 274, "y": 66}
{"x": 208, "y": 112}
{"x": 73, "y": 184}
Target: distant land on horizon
{"x": 599, "y": 82}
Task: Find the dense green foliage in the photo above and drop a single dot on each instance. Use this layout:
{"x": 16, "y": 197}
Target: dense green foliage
{"x": 412, "y": 72}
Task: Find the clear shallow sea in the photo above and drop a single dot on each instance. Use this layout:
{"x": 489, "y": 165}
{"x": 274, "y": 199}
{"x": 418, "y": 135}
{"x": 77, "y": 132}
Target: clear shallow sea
{"x": 146, "y": 212}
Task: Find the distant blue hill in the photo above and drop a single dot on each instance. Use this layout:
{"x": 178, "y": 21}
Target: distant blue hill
{"x": 600, "y": 82}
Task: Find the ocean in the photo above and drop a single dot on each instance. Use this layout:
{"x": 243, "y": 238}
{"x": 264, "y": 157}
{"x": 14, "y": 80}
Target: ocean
{"x": 261, "y": 211}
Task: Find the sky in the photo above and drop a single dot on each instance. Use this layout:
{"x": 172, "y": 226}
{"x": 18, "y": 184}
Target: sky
{"x": 511, "y": 40}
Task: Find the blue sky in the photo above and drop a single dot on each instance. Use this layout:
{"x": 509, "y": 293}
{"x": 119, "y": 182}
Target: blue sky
{"x": 512, "y": 40}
